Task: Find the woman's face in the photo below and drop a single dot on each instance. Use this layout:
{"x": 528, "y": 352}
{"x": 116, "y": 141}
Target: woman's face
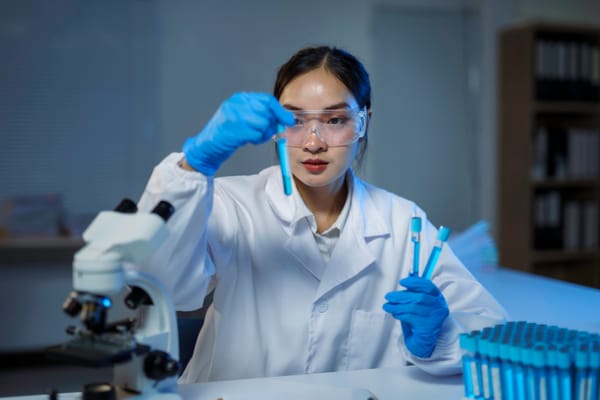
{"x": 315, "y": 164}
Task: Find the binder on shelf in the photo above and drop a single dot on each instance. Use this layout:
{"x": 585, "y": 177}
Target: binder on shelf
{"x": 567, "y": 69}
{"x": 565, "y": 154}
{"x": 548, "y": 221}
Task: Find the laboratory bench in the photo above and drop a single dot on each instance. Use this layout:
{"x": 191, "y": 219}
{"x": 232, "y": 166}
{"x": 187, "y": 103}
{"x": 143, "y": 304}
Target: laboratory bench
{"x": 525, "y": 297}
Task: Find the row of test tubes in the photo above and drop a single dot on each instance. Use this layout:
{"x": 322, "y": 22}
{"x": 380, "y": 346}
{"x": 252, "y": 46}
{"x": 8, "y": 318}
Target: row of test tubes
{"x": 520, "y": 360}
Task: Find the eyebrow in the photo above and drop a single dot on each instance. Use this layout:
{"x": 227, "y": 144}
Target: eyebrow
{"x": 336, "y": 106}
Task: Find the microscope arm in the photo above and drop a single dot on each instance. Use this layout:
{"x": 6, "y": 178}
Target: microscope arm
{"x": 158, "y": 320}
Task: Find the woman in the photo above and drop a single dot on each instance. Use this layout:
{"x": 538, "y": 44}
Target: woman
{"x": 308, "y": 282}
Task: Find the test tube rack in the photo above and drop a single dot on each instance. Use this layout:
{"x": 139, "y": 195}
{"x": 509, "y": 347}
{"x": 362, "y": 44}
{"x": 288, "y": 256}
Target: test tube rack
{"x": 519, "y": 360}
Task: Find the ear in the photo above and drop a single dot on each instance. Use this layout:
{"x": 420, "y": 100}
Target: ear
{"x": 363, "y": 117}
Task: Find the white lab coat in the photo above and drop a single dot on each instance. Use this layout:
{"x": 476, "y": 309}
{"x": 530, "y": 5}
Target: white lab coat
{"x": 271, "y": 314}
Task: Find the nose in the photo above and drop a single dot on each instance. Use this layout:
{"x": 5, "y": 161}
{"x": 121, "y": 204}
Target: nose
{"x": 314, "y": 141}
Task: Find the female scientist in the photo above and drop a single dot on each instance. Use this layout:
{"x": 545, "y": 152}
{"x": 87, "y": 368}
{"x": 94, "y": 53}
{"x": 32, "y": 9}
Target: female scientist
{"x": 316, "y": 281}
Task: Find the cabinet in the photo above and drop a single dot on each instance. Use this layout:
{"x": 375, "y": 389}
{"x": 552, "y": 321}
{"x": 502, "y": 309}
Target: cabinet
{"x": 549, "y": 146}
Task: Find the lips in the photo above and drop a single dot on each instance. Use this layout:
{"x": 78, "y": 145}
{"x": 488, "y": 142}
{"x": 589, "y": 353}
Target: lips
{"x": 315, "y": 165}
{"x": 314, "y": 162}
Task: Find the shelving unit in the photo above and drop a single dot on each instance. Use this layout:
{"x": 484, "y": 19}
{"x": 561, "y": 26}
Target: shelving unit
{"x": 549, "y": 143}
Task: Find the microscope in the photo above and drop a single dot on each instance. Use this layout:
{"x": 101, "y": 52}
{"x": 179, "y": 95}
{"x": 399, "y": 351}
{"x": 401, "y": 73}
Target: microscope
{"x": 140, "y": 350}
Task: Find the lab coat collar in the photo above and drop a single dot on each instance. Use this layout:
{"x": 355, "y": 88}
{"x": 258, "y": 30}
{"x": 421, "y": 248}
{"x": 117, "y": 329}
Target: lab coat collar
{"x": 286, "y": 207}
{"x": 364, "y": 223}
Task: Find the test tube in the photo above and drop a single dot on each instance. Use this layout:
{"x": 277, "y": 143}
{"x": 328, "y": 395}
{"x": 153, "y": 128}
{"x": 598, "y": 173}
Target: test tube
{"x": 581, "y": 371}
{"x": 594, "y": 369}
{"x": 415, "y": 236}
{"x": 527, "y": 357}
{"x": 563, "y": 362}
{"x": 471, "y": 377}
{"x": 482, "y": 347}
{"x": 539, "y": 372}
{"x": 442, "y": 237}
{"x": 494, "y": 363}
{"x": 518, "y": 370}
{"x": 284, "y": 163}
{"x": 506, "y": 370}
{"x": 553, "y": 385}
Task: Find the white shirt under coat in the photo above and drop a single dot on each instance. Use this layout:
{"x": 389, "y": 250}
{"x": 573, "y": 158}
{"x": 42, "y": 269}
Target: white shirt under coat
{"x": 279, "y": 306}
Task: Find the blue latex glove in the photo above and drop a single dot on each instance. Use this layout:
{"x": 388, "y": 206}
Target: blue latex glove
{"x": 243, "y": 118}
{"x": 421, "y": 310}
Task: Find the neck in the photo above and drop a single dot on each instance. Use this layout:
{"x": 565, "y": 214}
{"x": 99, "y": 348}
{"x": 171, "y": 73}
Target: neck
{"x": 325, "y": 203}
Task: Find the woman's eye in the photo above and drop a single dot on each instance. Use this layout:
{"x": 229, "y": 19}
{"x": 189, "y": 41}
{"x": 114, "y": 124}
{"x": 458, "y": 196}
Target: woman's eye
{"x": 337, "y": 121}
{"x": 298, "y": 121}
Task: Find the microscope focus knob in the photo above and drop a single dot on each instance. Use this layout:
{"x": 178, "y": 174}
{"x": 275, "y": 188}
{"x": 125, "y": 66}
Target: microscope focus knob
{"x": 159, "y": 365}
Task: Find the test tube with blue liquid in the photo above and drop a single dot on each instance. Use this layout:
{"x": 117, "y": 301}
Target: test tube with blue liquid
{"x": 563, "y": 362}
{"x": 470, "y": 364}
{"x": 484, "y": 361}
{"x": 539, "y": 372}
{"x": 527, "y": 357}
{"x": 284, "y": 162}
{"x": 593, "y": 370}
{"x": 442, "y": 237}
{"x": 519, "y": 368}
{"x": 494, "y": 363}
{"x": 553, "y": 385}
{"x": 415, "y": 236}
{"x": 581, "y": 370}
{"x": 506, "y": 370}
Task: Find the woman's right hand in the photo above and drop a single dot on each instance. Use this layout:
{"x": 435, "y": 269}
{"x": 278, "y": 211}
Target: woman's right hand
{"x": 243, "y": 118}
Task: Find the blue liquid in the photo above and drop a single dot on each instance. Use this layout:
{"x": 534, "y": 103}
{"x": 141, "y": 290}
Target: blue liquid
{"x": 435, "y": 254}
{"x": 592, "y": 389}
{"x": 508, "y": 381}
{"x": 416, "y": 250}
{"x": 530, "y": 383}
{"x": 565, "y": 384}
{"x": 470, "y": 376}
{"x": 553, "y": 385}
{"x": 284, "y": 163}
{"x": 519, "y": 374}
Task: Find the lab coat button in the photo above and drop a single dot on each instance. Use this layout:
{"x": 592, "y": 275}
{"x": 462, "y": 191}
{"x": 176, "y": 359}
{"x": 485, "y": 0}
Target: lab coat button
{"x": 322, "y": 307}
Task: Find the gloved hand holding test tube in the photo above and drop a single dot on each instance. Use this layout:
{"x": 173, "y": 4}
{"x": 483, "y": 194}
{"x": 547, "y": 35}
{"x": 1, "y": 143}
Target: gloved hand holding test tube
{"x": 421, "y": 308}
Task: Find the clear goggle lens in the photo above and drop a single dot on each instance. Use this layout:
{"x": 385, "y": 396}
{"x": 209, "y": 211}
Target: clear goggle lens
{"x": 335, "y": 127}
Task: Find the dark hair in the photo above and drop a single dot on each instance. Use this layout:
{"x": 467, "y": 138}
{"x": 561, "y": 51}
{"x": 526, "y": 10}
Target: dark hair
{"x": 343, "y": 65}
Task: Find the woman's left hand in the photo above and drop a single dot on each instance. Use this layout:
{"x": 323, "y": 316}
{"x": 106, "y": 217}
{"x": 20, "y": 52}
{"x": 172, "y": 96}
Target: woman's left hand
{"x": 421, "y": 310}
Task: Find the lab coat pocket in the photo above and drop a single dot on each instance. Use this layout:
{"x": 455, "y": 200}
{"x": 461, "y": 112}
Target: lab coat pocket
{"x": 372, "y": 340}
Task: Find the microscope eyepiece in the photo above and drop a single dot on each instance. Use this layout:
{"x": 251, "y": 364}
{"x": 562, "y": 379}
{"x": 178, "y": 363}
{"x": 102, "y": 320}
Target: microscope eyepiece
{"x": 126, "y": 206}
{"x": 164, "y": 209}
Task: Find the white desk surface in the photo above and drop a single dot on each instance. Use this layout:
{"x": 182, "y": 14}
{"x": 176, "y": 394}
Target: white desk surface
{"x": 525, "y": 297}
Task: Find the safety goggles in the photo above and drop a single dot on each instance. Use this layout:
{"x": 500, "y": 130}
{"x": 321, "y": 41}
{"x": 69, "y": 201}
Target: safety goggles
{"x": 339, "y": 127}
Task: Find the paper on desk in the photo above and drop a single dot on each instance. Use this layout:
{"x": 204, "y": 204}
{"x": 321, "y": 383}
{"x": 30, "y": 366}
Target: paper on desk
{"x": 276, "y": 390}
